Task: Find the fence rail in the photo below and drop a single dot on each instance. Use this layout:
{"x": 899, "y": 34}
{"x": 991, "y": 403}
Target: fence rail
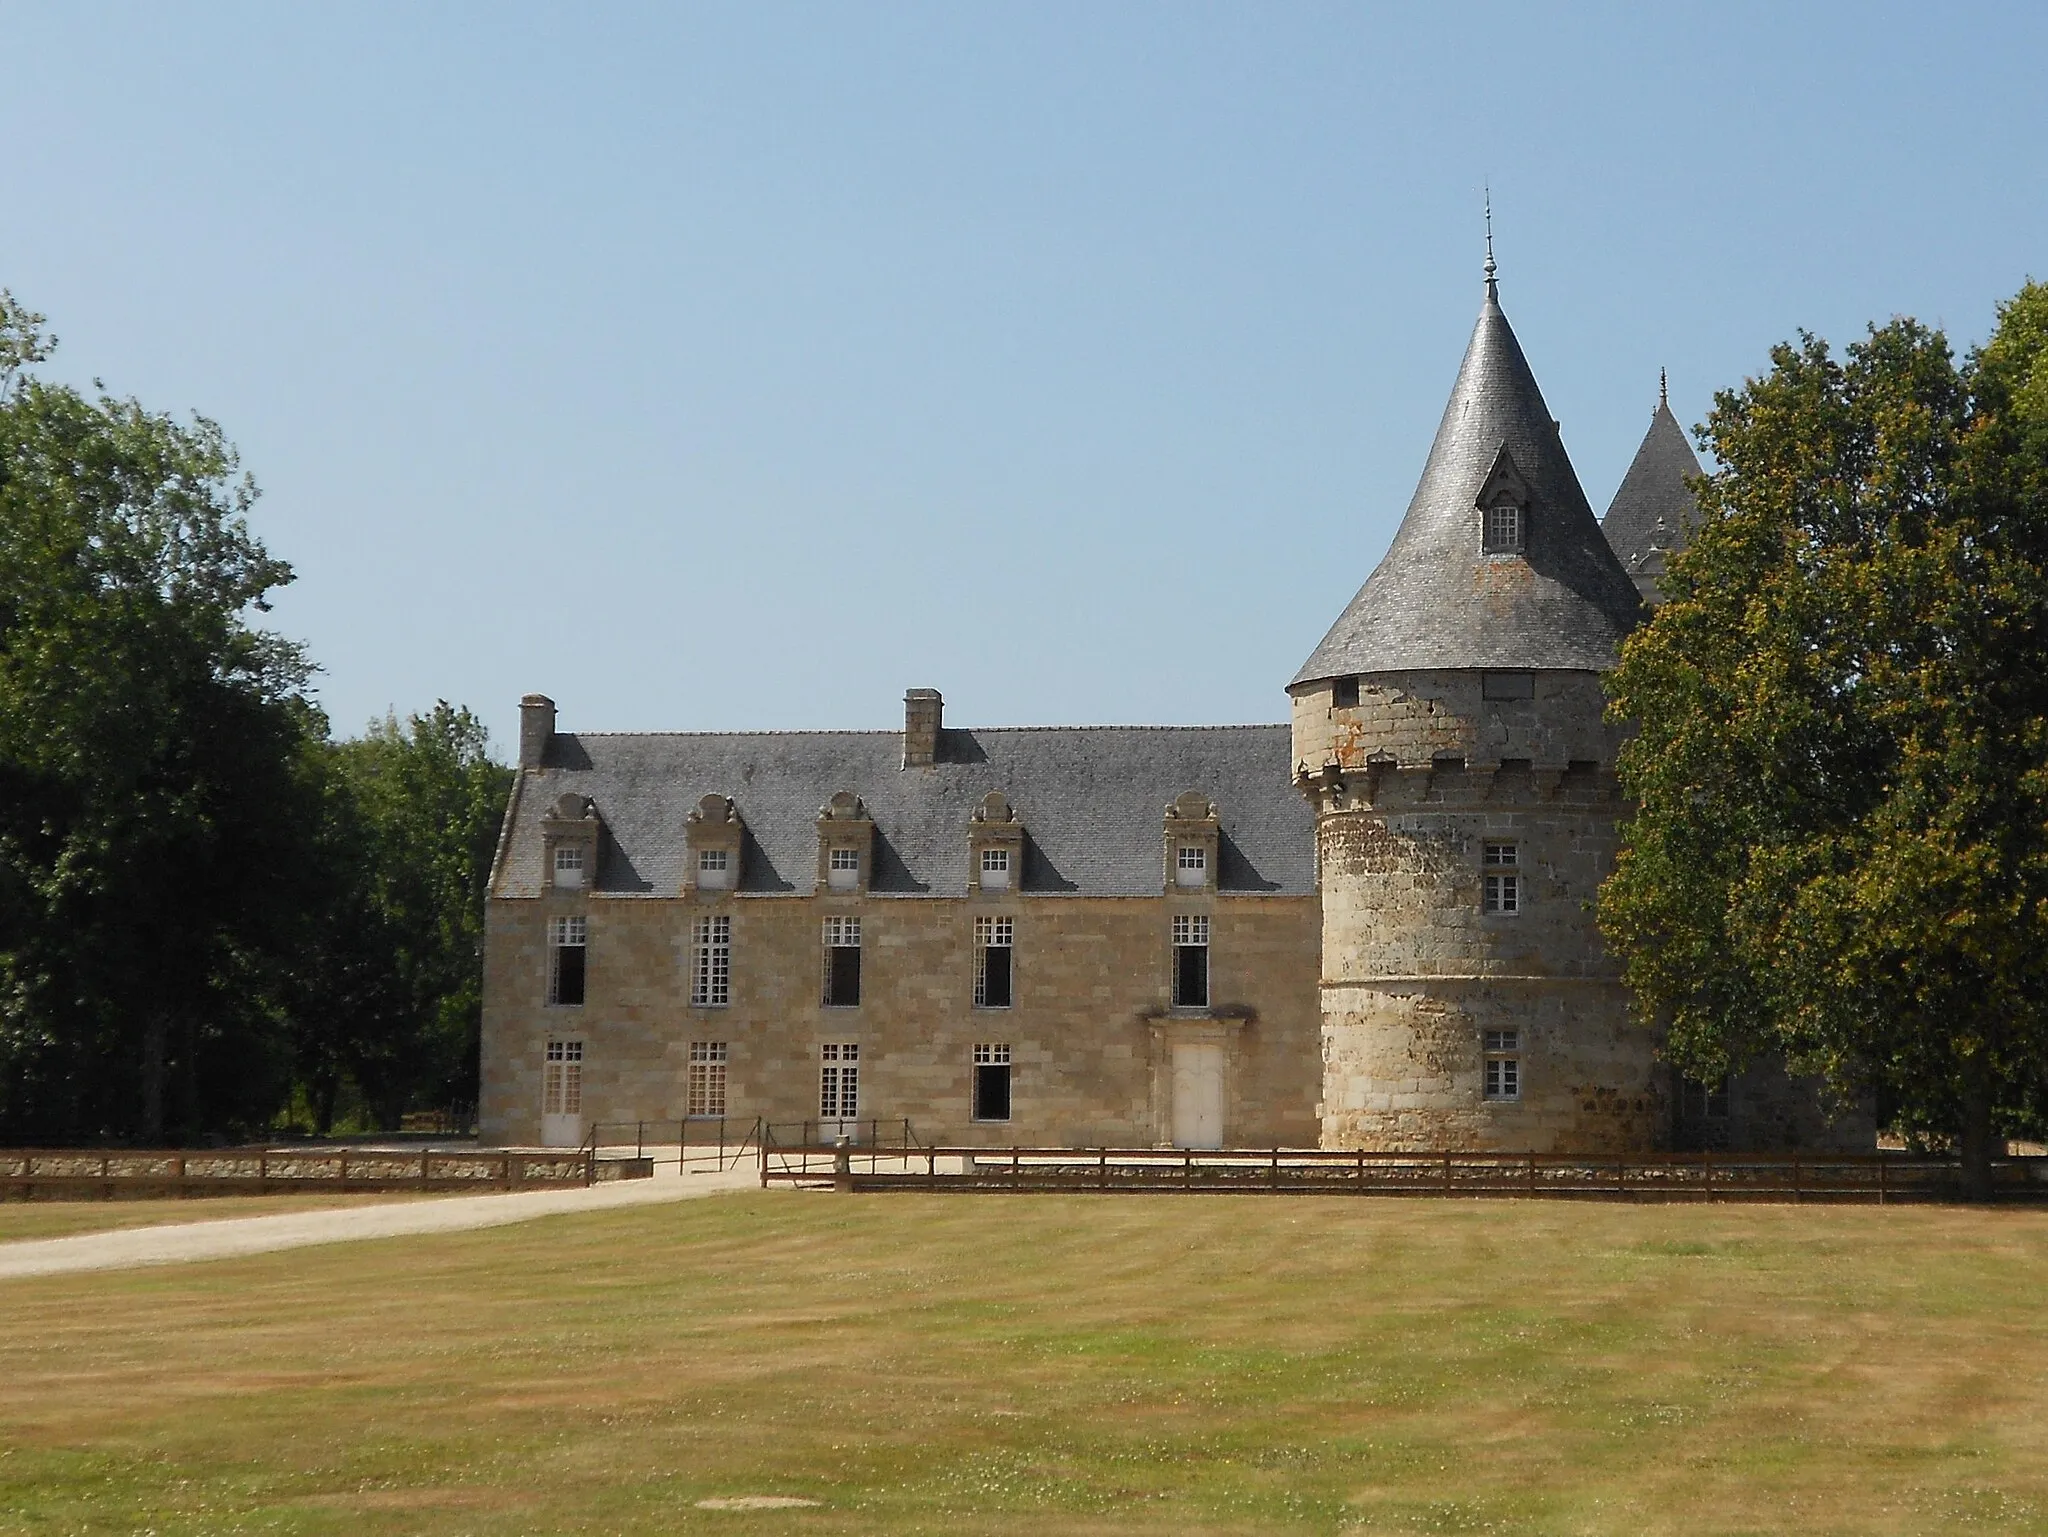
{"x": 1876, "y": 1178}
{"x": 694, "y": 1145}
{"x": 79, "y": 1174}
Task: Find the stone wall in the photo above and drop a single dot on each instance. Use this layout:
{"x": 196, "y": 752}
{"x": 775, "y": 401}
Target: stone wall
{"x": 1090, "y": 1031}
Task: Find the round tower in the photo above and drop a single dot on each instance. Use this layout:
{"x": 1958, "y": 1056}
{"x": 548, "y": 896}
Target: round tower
{"x": 1450, "y": 732}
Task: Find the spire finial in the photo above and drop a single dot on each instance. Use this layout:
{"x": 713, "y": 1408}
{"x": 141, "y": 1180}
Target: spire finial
{"x": 1663, "y": 390}
{"x": 1492, "y": 291}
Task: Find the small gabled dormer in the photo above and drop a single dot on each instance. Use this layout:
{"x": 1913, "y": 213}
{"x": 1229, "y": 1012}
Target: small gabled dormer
{"x": 1192, "y": 833}
{"x": 846, "y": 845}
{"x": 995, "y": 847}
{"x": 1503, "y": 502}
{"x": 716, "y": 834}
{"x": 571, "y": 836}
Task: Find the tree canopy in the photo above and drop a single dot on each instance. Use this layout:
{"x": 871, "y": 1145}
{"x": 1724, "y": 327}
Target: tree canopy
{"x": 203, "y": 901}
{"x": 1841, "y": 764}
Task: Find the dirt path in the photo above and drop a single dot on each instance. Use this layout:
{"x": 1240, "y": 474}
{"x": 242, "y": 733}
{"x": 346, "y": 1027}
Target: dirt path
{"x": 177, "y": 1243}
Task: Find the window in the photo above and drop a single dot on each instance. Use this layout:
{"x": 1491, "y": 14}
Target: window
{"x": 561, "y": 1084}
{"x": 1191, "y": 866}
{"x": 705, "y": 1094}
{"x": 1503, "y": 528}
{"x": 711, "y": 978}
{"x": 1503, "y": 883}
{"x": 1344, "y": 694}
{"x": 838, "y": 1082}
{"x": 714, "y": 869}
{"x": 842, "y": 870}
{"x": 995, "y": 869}
{"x": 569, "y": 865}
{"x": 992, "y": 1083}
{"x": 567, "y": 942}
{"x": 1503, "y": 1064}
{"x": 1704, "y": 1100}
{"x": 1507, "y": 685}
{"x": 993, "y": 941}
{"x": 1191, "y": 961}
{"x": 842, "y": 962}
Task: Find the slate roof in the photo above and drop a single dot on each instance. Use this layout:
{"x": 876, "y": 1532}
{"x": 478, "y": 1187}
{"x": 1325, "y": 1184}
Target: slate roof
{"x": 1092, "y": 800}
{"x": 1436, "y": 600}
{"x": 1653, "y": 513}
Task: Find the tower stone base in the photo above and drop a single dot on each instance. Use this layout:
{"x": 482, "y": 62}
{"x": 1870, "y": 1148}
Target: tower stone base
{"x": 1404, "y": 1067}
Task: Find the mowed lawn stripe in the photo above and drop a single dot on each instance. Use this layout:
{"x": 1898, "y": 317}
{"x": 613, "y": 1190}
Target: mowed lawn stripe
{"x": 1045, "y": 1363}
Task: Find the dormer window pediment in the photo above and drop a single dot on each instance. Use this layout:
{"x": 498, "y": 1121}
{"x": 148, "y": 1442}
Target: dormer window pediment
{"x": 571, "y": 831}
{"x": 846, "y": 845}
{"x": 1193, "y": 832}
{"x": 995, "y": 846}
{"x": 716, "y": 836}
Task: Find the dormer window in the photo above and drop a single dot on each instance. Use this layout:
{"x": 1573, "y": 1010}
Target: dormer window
{"x": 995, "y": 869}
{"x": 1192, "y": 868}
{"x": 569, "y": 865}
{"x": 1503, "y": 503}
{"x": 714, "y": 869}
{"x": 1504, "y": 524}
{"x": 843, "y": 871}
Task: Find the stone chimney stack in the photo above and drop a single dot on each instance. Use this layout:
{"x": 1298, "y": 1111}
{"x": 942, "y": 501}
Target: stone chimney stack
{"x": 536, "y": 727}
{"x": 923, "y": 710}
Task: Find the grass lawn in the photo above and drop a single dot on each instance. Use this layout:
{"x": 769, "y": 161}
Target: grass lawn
{"x": 1047, "y": 1364}
{"x": 55, "y": 1219}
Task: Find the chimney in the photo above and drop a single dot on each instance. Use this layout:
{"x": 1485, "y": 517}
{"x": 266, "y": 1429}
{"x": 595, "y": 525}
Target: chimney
{"x": 536, "y": 728}
{"x": 922, "y": 711}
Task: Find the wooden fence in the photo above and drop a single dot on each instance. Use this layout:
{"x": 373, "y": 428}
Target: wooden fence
{"x": 1876, "y": 1178}
{"x": 84, "y": 1175}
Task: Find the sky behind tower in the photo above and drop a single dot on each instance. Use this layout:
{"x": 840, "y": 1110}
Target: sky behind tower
{"x": 740, "y": 366}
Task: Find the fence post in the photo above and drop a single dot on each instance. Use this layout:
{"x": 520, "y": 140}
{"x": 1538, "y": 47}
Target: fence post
{"x": 344, "y": 1168}
{"x": 1273, "y": 1178}
{"x": 1447, "y": 1174}
{"x": 263, "y": 1172}
{"x": 1880, "y": 1179}
{"x": 1532, "y": 1176}
{"x": 426, "y": 1160}
{"x": 1797, "y": 1194}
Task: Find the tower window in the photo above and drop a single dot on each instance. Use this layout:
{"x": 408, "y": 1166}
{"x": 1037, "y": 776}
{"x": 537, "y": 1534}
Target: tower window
{"x": 1344, "y": 694}
{"x": 993, "y": 946}
{"x": 568, "y": 945}
{"x": 1191, "y": 961}
{"x": 1501, "y": 880}
{"x": 838, "y": 1082}
{"x": 842, "y": 963}
{"x": 992, "y": 1082}
{"x": 1503, "y": 1064}
{"x": 706, "y": 1090}
{"x": 711, "y": 982}
{"x": 1507, "y": 685}
{"x": 1505, "y": 528}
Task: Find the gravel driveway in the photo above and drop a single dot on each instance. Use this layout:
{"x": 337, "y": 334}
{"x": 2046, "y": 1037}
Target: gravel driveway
{"x": 177, "y": 1243}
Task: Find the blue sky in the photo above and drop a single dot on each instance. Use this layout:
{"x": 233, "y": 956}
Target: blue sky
{"x": 741, "y": 366}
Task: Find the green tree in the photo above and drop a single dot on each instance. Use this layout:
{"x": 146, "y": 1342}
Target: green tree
{"x": 391, "y": 994}
{"x": 1841, "y": 847}
{"x": 155, "y": 795}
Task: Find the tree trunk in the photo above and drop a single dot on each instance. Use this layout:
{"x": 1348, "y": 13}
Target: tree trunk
{"x": 324, "y": 1091}
{"x": 1975, "y": 1143}
{"x": 153, "y": 1033}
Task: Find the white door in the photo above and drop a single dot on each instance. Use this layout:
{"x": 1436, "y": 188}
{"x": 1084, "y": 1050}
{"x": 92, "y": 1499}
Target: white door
{"x": 1198, "y": 1094}
{"x": 561, "y": 1095}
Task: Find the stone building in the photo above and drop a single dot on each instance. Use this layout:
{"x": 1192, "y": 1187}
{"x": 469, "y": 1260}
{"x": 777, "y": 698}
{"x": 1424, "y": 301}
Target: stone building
{"x": 1094, "y": 935}
{"x": 1372, "y": 927}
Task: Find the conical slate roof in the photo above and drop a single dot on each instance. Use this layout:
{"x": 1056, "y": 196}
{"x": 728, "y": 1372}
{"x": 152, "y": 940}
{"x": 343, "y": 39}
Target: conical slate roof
{"x": 1652, "y": 515}
{"x": 1437, "y": 601}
